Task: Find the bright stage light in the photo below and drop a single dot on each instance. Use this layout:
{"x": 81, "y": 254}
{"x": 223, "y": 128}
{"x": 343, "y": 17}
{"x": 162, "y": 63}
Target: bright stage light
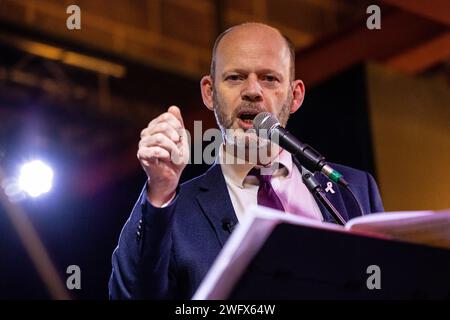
{"x": 35, "y": 178}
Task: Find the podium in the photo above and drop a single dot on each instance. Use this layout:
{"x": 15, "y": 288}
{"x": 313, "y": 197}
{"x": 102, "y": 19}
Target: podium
{"x": 272, "y": 256}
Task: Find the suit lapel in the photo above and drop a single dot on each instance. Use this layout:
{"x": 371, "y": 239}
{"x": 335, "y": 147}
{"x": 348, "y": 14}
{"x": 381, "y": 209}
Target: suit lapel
{"x": 215, "y": 201}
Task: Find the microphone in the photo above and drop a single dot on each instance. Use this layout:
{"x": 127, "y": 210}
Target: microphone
{"x": 228, "y": 224}
{"x": 268, "y": 126}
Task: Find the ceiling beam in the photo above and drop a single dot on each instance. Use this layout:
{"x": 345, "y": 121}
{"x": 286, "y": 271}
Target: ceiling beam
{"x": 399, "y": 32}
{"x": 437, "y": 10}
{"x": 423, "y": 56}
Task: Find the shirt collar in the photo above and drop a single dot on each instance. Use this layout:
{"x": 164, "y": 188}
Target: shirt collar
{"x": 236, "y": 172}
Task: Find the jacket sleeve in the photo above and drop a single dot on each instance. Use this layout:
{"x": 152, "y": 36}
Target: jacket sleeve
{"x": 376, "y": 204}
{"x": 141, "y": 262}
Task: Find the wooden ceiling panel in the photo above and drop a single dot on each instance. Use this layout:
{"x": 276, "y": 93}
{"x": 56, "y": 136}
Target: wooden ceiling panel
{"x": 298, "y": 15}
{"x": 246, "y": 7}
{"x": 187, "y": 24}
{"x": 177, "y": 35}
{"x": 132, "y": 12}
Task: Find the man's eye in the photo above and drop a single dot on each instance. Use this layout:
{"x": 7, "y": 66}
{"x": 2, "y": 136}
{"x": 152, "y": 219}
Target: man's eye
{"x": 234, "y": 77}
{"x": 270, "y": 78}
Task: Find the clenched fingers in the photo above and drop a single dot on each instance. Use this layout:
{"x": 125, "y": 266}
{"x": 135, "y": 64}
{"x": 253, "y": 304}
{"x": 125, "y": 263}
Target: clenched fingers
{"x": 164, "y": 128}
{"x": 162, "y": 141}
{"x": 148, "y": 154}
{"x": 166, "y": 117}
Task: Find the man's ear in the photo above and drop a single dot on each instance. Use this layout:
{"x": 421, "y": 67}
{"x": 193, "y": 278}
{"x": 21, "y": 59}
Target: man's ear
{"x": 206, "y": 87}
{"x": 298, "y": 92}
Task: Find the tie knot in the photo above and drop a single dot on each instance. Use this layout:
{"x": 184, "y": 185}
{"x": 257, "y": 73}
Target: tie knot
{"x": 261, "y": 177}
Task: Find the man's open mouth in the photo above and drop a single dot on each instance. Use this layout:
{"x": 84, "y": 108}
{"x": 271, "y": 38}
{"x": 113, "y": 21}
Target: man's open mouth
{"x": 247, "y": 116}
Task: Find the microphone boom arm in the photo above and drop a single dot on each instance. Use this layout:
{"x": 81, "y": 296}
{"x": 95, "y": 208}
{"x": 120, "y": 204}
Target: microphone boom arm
{"x": 316, "y": 189}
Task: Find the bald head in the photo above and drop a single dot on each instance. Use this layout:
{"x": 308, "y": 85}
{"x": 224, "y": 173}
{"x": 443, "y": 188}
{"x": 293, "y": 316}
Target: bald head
{"x": 253, "y": 31}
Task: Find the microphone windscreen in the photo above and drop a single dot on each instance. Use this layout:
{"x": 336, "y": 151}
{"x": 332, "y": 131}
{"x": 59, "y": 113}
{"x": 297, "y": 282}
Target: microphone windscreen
{"x": 264, "y": 121}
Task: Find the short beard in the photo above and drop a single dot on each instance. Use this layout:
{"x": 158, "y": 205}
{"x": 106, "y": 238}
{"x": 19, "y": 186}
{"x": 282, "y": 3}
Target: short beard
{"x": 223, "y": 121}
{"x": 248, "y": 146}
{"x": 226, "y": 121}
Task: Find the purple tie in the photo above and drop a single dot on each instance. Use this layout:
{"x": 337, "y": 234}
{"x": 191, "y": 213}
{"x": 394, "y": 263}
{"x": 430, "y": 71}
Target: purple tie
{"x": 266, "y": 195}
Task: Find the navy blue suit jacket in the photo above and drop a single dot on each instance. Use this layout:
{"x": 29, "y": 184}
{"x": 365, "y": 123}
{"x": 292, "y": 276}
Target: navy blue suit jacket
{"x": 164, "y": 253}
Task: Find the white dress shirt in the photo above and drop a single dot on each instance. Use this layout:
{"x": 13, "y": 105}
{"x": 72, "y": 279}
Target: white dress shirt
{"x": 286, "y": 182}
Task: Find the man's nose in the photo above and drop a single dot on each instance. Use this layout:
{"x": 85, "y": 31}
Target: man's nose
{"x": 252, "y": 90}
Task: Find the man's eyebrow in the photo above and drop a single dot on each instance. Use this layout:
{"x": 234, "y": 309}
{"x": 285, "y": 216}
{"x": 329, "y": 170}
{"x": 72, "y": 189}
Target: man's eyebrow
{"x": 270, "y": 71}
{"x": 235, "y": 70}
{"x": 259, "y": 72}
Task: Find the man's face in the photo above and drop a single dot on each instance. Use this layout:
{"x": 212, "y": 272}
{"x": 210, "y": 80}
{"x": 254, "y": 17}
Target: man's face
{"x": 252, "y": 75}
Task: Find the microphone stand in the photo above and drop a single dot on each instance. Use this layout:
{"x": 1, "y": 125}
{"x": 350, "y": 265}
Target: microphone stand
{"x": 316, "y": 189}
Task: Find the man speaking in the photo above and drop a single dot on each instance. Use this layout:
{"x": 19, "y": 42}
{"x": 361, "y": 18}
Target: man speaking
{"x": 176, "y": 231}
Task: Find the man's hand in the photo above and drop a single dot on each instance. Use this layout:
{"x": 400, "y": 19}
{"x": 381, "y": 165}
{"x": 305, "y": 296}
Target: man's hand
{"x": 163, "y": 153}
